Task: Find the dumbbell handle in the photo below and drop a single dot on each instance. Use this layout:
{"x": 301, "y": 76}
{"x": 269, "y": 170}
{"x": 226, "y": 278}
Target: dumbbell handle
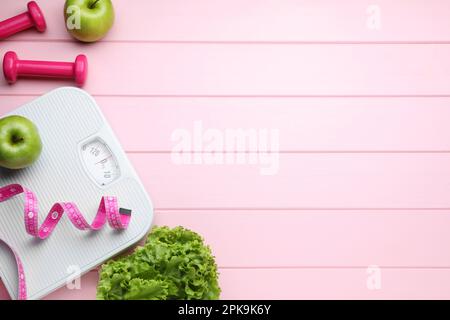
{"x": 15, "y": 24}
{"x": 13, "y": 68}
{"x": 45, "y": 69}
{"x": 32, "y": 18}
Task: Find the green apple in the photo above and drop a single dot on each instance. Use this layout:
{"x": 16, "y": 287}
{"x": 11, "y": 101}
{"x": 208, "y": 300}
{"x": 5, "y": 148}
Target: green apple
{"x": 20, "y": 143}
{"x": 88, "y": 20}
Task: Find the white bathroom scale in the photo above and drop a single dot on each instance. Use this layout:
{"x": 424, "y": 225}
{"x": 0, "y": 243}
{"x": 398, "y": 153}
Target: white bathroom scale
{"x": 81, "y": 161}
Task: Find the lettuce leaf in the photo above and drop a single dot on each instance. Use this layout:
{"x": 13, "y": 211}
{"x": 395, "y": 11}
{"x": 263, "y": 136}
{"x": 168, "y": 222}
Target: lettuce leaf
{"x": 173, "y": 264}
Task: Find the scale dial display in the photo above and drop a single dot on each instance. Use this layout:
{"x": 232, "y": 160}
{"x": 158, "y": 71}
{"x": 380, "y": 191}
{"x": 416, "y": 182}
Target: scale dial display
{"x": 100, "y": 162}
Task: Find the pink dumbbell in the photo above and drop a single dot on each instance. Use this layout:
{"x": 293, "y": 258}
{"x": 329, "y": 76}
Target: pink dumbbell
{"x": 24, "y": 21}
{"x": 14, "y": 68}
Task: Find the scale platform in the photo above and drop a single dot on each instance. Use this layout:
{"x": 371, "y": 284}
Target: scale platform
{"x": 81, "y": 161}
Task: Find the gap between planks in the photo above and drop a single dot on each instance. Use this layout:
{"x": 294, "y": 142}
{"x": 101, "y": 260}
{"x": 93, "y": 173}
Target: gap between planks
{"x": 231, "y": 42}
{"x": 248, "y": 96}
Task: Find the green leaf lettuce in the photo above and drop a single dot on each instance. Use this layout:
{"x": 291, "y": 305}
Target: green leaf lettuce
{"x": 173, "y": 264}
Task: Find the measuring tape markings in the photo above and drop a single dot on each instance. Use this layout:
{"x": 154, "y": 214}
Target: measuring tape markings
{"x": 108, "y": 211}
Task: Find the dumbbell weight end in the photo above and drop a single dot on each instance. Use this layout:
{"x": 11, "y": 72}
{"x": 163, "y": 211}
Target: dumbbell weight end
{"x": 32, "y": 18}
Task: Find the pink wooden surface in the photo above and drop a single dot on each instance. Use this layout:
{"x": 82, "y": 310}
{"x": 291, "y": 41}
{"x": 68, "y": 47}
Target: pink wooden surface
{"x": 363, "y": 117}
{"x": 306, "y": 283}
{"x": 305, "y": 124}
{"x": 304, "y": 180}
{"x": 250, "y": 70}
{"x": 265, "y": 21}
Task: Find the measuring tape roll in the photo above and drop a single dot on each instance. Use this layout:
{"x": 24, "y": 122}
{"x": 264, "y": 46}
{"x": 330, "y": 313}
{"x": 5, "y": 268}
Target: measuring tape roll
{"x": 108, "y": 211}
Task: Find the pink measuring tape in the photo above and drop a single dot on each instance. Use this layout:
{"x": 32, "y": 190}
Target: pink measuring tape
{"x": 108, "y": 211}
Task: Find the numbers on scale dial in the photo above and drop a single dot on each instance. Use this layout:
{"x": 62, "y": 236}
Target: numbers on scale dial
{"x": 100, "y": 162}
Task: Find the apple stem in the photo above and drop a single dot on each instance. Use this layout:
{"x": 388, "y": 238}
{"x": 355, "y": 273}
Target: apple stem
{"x": 92, "y": 5}
{"x": 16, "y": 140}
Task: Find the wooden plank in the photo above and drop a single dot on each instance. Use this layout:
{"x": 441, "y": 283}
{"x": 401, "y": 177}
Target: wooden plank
{"x": 303, "y": 124}
{"x": 325, "y": 181}
{"x": 306, "y": 284}
{"x": 247, "y": 70}
{"x": 276, "y": 238}
{"x": 255, "y": 20}
{"x": 334, "y": 284}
